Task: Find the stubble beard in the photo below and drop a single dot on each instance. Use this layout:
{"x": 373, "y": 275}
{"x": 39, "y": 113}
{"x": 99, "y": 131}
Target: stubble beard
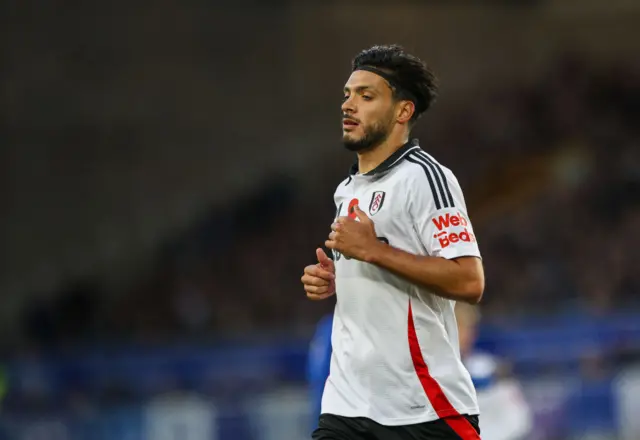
{"x": 374, "y": 135}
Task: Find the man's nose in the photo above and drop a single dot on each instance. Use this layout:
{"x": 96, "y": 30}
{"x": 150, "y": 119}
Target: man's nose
{"x": 348, "y": 106}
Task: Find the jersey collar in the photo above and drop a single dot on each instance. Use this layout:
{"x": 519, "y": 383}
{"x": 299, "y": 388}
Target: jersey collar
{"x": 389, "y": 162}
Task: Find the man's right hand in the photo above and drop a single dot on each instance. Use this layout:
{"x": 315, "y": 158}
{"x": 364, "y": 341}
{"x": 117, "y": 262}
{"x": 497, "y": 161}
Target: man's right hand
{"x": 319, "y": 279}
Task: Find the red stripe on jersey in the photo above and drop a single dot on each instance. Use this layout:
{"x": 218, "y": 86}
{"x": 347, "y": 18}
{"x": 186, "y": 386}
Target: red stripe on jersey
{"x": 438, "y": 400}
{"x": 463, "y": 428}
{"x": 436, "y": 396}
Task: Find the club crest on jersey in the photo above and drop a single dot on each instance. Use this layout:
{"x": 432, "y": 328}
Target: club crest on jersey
{"x": 377, "y": 199}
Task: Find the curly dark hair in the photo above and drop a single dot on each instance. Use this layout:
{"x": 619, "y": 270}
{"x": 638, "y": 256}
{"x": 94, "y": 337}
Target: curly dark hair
{"x": 414, "y": 80}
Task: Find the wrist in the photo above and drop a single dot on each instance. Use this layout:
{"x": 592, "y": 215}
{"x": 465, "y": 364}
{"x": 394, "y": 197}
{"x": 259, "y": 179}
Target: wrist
{"x": 375, "y": 252}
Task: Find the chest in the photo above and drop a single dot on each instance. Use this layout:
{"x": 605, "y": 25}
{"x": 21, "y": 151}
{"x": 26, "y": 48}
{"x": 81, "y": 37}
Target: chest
{"x": 384, "y": 202}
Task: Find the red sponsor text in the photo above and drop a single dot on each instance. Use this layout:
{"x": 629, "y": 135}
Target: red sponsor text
{"x": 444, "y": 221}
{"x": 447, "y": 238}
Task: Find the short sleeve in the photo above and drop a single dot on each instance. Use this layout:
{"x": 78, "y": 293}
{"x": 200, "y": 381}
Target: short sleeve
{"x": 440, "y": 216}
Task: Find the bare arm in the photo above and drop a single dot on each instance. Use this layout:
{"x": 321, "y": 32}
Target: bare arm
{"x": 460, "y": 279}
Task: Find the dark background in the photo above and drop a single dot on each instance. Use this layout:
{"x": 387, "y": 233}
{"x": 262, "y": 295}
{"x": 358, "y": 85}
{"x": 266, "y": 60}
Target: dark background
{"x": 167, "y": 170}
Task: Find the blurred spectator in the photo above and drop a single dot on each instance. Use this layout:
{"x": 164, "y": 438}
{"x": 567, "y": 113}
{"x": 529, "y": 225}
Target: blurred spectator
{"x": 504, "y": 412}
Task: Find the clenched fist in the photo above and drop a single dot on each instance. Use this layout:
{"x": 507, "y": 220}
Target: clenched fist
{"x": 353, "y": 238}
{"x": 319, "y": 279}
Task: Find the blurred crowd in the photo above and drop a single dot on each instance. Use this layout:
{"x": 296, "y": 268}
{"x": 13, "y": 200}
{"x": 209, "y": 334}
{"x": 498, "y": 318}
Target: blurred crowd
{"x": 551, "y": 173}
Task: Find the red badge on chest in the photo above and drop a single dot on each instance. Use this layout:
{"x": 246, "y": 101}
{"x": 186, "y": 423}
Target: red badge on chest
{"x": 351, "y": 211}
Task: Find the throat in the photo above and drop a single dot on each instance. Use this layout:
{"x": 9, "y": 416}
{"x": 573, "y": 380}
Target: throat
{"x": 371, "y": 159}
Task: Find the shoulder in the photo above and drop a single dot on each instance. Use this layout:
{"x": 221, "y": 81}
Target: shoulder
{"x": 342, "y": 191}
{"x": 428, "y": 179}
{"x": 342, "y": 185}
{"x": 422, "y": 168}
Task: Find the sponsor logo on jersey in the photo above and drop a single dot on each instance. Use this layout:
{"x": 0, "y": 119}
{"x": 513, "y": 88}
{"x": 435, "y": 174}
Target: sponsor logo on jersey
{"x": 377, "y": 199}
{"x": 447, "y": 237}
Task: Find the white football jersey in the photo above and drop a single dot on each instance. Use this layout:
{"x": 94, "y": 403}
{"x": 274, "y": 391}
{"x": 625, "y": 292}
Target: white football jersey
{"x": 396, "y": 358}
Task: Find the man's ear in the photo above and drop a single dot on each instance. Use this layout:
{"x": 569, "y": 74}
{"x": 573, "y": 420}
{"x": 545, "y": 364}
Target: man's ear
{"x": 405, "y": 112}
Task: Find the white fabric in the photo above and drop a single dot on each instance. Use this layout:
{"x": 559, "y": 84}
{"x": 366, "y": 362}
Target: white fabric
{"x": 372, "y": 373}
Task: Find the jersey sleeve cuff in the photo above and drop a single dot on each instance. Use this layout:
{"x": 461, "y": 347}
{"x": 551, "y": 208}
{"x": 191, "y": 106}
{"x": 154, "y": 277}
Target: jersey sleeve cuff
{"x": 462, "y": 251}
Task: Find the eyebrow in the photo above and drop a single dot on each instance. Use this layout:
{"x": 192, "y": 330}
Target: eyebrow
{"x": 360, "y": 89}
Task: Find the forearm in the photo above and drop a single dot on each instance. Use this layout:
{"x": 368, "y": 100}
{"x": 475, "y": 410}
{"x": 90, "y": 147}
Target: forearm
{"x": 446, "y": 278}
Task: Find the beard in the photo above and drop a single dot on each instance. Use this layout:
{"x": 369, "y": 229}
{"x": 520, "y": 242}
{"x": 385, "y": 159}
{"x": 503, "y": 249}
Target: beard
{"x": 373, "y": 136}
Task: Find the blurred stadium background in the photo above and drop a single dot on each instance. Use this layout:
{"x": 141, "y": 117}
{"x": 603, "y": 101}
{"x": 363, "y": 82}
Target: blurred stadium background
{"x": 167, "y": 170}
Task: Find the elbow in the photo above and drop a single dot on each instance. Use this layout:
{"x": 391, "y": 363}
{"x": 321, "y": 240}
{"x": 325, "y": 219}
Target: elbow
{"x": 472, "y": 290}
{"x": 467, "y": 282}
{"x": 469, "y": 291}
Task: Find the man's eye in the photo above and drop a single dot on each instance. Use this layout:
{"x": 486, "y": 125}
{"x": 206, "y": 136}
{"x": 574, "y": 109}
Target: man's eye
{"x": 344, "y": 98}
{"x": 367, "y": 97}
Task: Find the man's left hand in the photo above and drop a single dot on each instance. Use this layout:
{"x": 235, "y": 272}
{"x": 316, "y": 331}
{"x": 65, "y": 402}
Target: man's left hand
{"x": 352, "y": 238}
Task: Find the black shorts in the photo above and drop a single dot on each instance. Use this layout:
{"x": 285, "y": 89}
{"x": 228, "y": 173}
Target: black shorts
{"x": 332, "y": 427}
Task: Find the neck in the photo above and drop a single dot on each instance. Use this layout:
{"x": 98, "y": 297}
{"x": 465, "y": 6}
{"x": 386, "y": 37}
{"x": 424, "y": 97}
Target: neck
{"x": 371, "y": 158}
